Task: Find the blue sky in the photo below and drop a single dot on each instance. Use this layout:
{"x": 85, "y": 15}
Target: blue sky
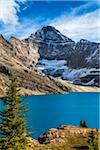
{"x": 76, "y": 19}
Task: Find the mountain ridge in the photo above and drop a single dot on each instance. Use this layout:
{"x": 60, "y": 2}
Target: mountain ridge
{"x": 29, "y": 55}
{"x": 52, "y": 45}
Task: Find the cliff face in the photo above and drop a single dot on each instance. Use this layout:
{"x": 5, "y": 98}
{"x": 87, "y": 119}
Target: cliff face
{"x": 87, "y": 54}
{"x": 53, "y": 45}
{"x": 26, "y": 52}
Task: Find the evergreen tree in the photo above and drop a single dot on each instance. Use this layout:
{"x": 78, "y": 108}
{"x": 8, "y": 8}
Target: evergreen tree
{"x": 83, "y": 124}
{"x": 93, "y": 140}
{"x": 13, "y": 130}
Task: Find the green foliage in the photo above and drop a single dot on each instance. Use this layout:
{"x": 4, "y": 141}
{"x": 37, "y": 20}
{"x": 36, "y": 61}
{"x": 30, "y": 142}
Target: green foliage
{"x": 83, "y": 124}
{"x": 13, "y": 129}
{"x": 93, "y": 140}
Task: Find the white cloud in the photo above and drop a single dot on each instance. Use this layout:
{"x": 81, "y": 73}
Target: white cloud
{"x": 86, "y": 26}
{"x": 21, "y": 31}
{"x": 8, "y": 11}
{"x": 25, "y": 8}
{"x": 26, "y": 28}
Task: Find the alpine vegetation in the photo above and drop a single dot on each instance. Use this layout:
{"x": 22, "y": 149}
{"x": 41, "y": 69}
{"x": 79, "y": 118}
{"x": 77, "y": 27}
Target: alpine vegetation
{"x": 13, "y": 130}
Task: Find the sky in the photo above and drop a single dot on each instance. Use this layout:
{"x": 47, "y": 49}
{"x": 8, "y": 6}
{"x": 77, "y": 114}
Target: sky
{"x": 77, "y": 19}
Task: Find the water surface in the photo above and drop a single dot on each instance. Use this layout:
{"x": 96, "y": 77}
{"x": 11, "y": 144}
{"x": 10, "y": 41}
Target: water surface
{"x": 49, "y": 111}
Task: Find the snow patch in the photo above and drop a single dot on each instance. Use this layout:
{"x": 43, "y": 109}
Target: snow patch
{"x": 51, "y": 64}
{"x": 89, "y": 83}
{"x": 52, "y": 67}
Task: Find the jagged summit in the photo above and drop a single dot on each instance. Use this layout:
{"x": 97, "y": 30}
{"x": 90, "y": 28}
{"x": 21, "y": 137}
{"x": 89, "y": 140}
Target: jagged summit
{"x": 49, "y": 28}
{"x": 13, "y": 38}
{"x": 2, "y": 39}
{"x": 49, "y": 33}
{"x": 84, "y": 41}
{"x": 1, "y": 36}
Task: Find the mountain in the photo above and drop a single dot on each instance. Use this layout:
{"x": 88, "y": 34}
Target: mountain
{"x": 51, "y": 43}
{"x": 43, "y": 57}
{"x": 59, "y": 56}
{"x": 14, "y": 58}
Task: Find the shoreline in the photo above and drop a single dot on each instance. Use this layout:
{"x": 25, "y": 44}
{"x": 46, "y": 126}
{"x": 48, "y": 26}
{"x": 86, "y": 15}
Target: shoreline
{"x": 63, "y": 136}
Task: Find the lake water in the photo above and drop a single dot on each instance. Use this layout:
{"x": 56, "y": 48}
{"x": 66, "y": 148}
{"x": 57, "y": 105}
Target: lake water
{"x": 49, "y": 111}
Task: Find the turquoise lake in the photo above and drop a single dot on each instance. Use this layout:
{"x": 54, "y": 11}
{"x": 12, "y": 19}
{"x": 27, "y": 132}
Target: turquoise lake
{"x": 50, "y": 111}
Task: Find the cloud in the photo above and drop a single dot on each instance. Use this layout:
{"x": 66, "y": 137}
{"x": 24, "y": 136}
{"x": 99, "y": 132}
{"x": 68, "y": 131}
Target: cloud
{"x": 21, "y": 31}
{"x": 26, "y": 28}
{"x": 25, "y": 8}
{"x": 76, "y": 24}
{"x": 85, "y": 26}
{"x": 8, "y": 11}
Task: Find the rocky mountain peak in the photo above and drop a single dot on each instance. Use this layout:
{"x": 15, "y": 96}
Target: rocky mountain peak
{"x": 15, "y": 42}
{"x": 49, "y": 33}
{"x": 49, "y": 28}
{"x": 1, "y": 36}
{"x": 2, "y": 39}
{"x": 13, "y": 38}
{"x": 84, "y": 41}
{"x": 5, "y": 47}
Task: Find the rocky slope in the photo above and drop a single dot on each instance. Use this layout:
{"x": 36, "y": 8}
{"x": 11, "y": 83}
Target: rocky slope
{"x": 49, "y": 53}
{"x": 32, "y": 81}
{"x": 64, "y": 138}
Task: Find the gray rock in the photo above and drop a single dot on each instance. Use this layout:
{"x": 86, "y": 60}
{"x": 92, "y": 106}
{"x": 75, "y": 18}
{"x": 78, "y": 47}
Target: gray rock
{"x": 5, "y": 70}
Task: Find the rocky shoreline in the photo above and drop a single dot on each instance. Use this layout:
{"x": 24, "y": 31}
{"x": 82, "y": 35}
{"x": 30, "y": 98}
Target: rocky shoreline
{"x": 63, "y": 138}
